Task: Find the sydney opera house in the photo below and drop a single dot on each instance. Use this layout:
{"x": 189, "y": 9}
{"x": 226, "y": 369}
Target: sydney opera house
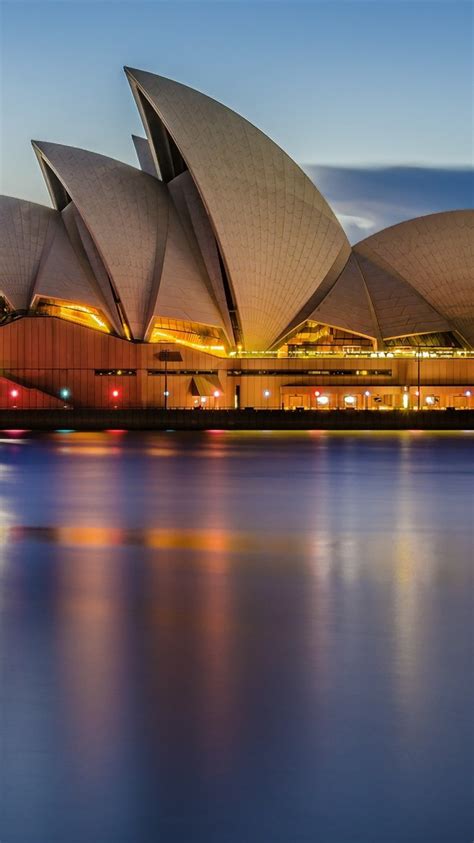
{"x": 216, "y": 274}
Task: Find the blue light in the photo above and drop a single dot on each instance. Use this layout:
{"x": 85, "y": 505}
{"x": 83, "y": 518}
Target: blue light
{"x": 65, "y": 392}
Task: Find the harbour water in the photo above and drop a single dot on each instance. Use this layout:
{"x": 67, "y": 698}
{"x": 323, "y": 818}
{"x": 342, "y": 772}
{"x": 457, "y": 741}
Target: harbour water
{"x": 231, "y": 637}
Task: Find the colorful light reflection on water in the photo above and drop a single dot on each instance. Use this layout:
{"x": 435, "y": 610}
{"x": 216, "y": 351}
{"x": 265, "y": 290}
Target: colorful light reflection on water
{"x": 243, "y": 637}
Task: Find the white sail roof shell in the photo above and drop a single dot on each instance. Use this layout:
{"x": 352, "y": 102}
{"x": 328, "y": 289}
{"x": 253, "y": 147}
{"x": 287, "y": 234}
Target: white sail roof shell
{"x": 24, "y": 231}
{"x": 434, "y": 254}
{"x": 126, "y": 214}
{"x": 277, "y": 235}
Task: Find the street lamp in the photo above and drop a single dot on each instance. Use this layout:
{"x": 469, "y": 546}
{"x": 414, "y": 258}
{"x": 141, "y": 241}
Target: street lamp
{"x": 14, "y": 394}
{"x": 266, "y": 395}
{"x": 166, "y": 355}
{"x": 418, "y": 379}
{"x": 367, "y": 396}
{"x": 65, "y": 394}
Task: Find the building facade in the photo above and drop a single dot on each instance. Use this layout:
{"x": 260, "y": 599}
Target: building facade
{"x": 216, "y": 274}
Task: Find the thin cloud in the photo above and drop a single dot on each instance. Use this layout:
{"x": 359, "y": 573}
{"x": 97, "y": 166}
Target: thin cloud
{"x": 369, "y": 199}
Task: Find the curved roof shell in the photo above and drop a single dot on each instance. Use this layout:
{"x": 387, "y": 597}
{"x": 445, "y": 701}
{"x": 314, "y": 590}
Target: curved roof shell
{"x": 199, "y": 233}
{"x": 348, "y": 305}
{"x": 144, "y": 155}
{"x": 432, "y": 258}
{"x": 277, "y": 235}
{"x": 63, "y": 276}
{"x": 25, "y": 230}
{"x": 183, "y": 294}
{"x": 126, "y": 214}
{"x": 224, "y": 230}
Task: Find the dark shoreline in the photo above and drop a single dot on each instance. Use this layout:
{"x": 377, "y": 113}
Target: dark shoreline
{"x": 90, "y": 419}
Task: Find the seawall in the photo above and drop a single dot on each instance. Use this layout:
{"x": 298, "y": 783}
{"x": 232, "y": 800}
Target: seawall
{"x": 181, "y": 419}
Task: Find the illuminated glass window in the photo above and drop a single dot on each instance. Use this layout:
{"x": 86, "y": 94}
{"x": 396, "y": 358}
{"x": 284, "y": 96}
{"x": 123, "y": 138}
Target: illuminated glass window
{"x": 116, "y": 372}
{"x": 314, "y": 338}
{"x": 333, "y": 373}
{"x": 192, "y": 334}
{"x": 183, "y": 371}
{"x": 434, "y": 341}
{"x": 89, "y": 317}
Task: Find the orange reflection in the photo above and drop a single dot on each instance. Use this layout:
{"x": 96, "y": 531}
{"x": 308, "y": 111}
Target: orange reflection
{"x": 91, "y": 645}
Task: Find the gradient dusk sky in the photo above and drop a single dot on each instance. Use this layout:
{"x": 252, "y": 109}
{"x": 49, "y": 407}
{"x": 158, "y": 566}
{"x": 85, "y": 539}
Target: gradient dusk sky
{"x": 354, "y": 85}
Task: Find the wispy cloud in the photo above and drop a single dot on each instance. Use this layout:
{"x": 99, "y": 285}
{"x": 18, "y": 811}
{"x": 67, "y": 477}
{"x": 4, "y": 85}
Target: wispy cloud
{"x": 368, "y": 199}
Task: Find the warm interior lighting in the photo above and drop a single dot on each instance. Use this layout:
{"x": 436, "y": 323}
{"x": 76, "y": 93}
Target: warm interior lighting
{"x": 314, "y": 338}
{"x": 89, "y": 317}
{"x": 323, "y": 400}
{"x": 349, "y": 399}
{"x": 195, "y": 335}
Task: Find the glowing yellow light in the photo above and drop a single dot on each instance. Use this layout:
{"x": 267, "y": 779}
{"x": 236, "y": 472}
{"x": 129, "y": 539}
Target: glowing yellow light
{"x": 200, "y": 346}
{"x": 71, "y": 312}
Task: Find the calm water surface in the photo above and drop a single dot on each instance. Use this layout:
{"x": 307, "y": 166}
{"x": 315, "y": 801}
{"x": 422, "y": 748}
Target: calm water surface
{"x": 236, "y": 638}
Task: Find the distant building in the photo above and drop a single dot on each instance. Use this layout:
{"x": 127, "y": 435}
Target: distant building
{"x": 218, "y": 273}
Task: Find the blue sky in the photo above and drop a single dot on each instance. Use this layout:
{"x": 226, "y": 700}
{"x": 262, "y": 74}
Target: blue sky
{"x": 349, "y": 84}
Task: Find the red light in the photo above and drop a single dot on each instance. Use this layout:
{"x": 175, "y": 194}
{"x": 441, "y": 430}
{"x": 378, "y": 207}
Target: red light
{"x": 14, "y": 393}
{"x": 115, "y": 393}
{"x": 317, "y": 393}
